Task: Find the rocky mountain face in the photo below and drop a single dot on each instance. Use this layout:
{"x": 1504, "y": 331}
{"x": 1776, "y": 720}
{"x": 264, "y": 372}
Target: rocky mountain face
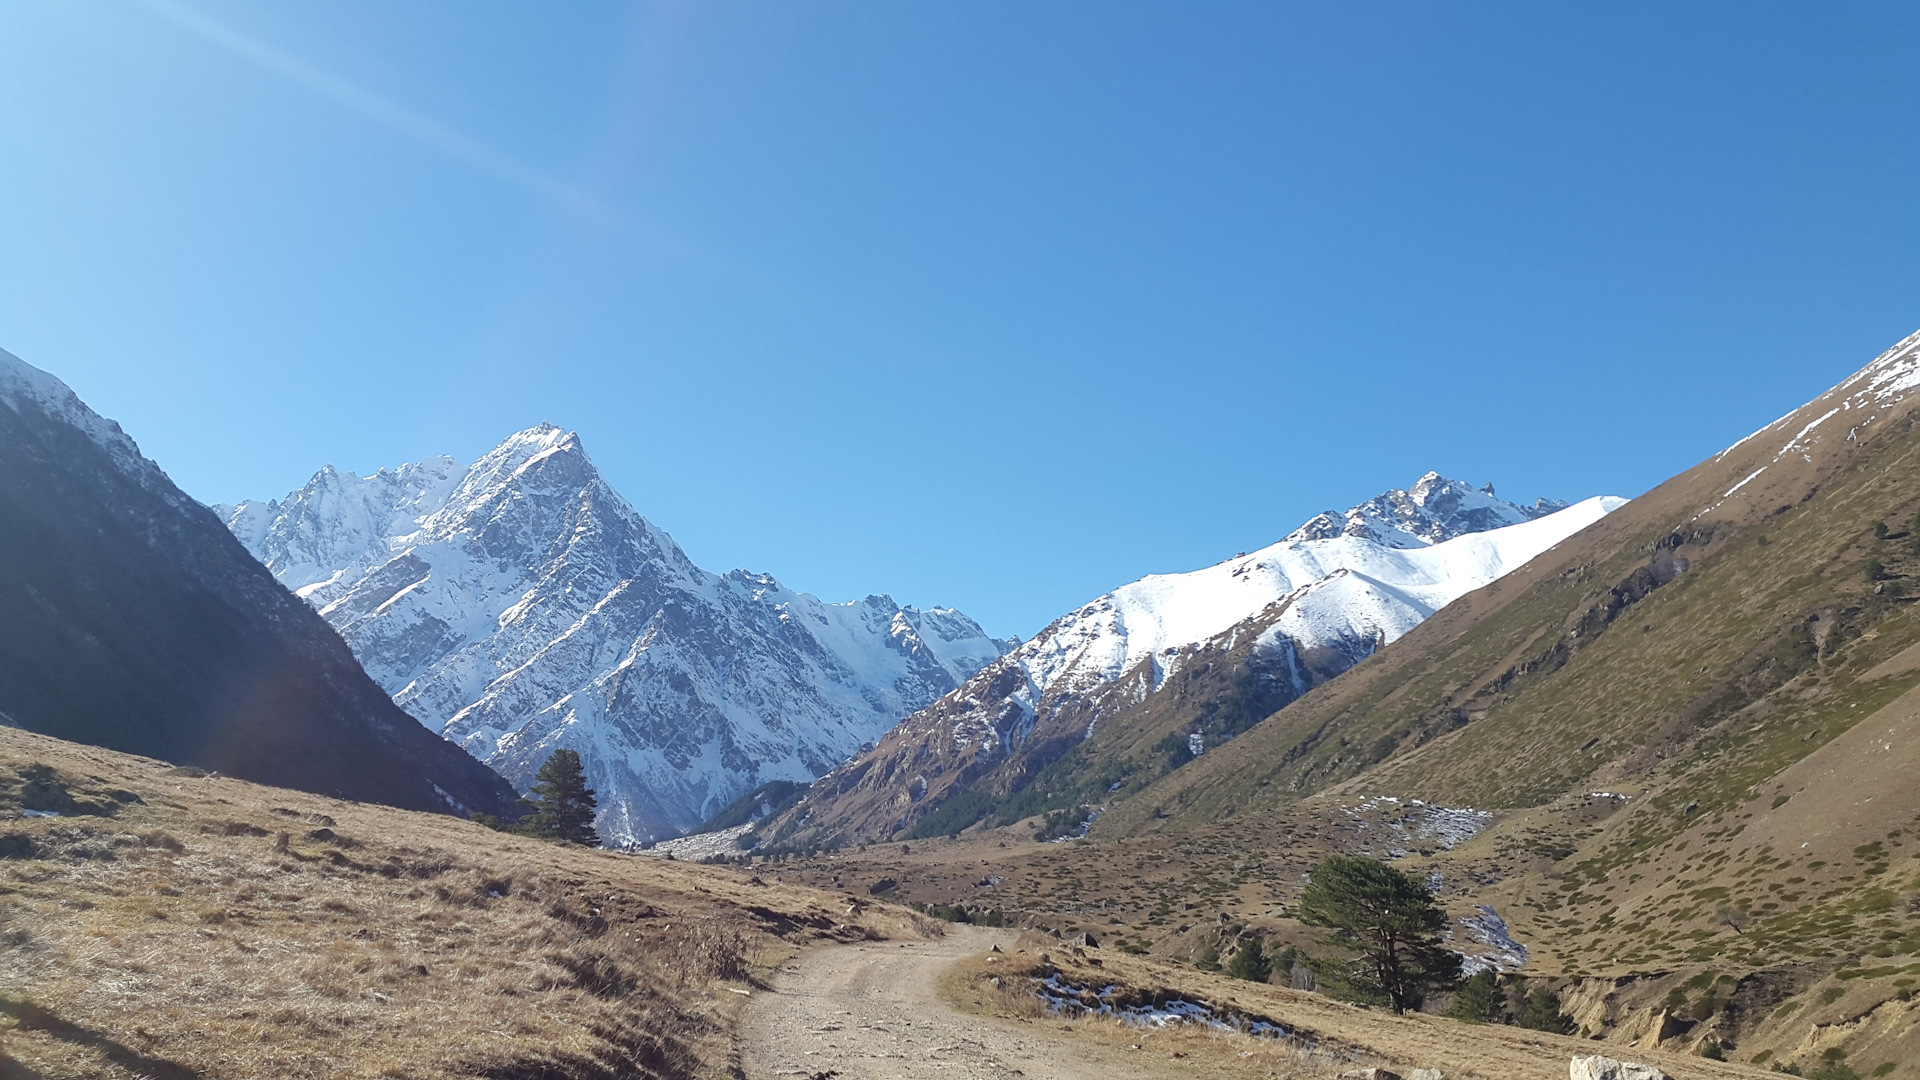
{"x": 520, "y": 605}
{"x": 1159, "y": 671}
{"x": 130, "y": 619}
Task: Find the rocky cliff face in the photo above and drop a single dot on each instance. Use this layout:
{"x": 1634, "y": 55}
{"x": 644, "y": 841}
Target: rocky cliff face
{"x": 1157, "y": 671}
{"x": 521, "y": 605}
{"x": 130, "y": 619}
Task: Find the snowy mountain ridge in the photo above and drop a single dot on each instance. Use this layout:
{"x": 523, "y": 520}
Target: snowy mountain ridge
{"x": 1342, "y": 587}
{"x": 519, "y": 605}
{"x": 1287, "y": 617}
{"x": 1432, "y": 510}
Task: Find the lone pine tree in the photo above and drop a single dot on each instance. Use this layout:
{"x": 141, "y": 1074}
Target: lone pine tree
{"x": 1391, "y": 921}
{"x": 562, "y": 803}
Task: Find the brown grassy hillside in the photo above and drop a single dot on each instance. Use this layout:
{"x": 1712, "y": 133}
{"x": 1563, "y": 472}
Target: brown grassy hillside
{"x": 171, "y": 924}
{"x": 1653, "y": 635}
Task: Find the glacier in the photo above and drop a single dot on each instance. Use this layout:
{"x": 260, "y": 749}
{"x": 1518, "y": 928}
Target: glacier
{"x": 519, "y": 605}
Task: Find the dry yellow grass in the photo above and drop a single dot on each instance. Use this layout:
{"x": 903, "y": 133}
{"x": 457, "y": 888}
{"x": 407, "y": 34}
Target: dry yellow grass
{"x": 196, "y": 926}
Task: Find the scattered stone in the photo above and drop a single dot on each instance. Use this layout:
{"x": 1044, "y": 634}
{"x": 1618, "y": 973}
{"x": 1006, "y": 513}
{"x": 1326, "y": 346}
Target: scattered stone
{"x": 1426, "y": 1074}
{"x": 1605, "y": 1068}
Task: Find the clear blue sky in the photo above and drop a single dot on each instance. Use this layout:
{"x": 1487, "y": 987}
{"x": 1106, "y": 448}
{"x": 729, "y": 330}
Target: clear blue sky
{"x": 995, "y": 305}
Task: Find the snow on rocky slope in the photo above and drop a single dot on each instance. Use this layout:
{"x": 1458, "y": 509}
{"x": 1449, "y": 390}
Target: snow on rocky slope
{"x": 1336, "y": 591}
{"x": 520, "y": 605}
{"x": 1289, "y": 616}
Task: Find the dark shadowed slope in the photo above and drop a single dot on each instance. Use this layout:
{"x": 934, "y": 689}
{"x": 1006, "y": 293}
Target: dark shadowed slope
{"x": 131, "y": 618}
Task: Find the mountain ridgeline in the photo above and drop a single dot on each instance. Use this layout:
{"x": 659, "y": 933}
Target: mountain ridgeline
{"x": 1668, "y": 635}
{"x": 130, "y": 619}
{"x": 1142, "y": 680}
{"x": 520, "y": 605}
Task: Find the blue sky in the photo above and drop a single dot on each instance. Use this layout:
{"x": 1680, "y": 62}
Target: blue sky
{"x": 995, "y": 305}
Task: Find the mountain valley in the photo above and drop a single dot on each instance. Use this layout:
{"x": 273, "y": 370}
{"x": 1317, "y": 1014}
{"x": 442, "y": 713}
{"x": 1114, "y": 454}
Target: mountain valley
{"x": 1653, "y": 759}
{"x": 1664, "y": 769}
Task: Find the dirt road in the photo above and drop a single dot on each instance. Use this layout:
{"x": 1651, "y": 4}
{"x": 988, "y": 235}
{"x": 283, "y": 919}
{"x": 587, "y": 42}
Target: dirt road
{"x": 873, "y": 1012}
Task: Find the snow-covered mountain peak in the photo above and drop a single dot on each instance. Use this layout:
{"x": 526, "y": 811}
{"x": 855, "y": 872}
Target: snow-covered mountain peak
{"x": 1431, "y": 510}
{"x": 520, "y": 604}
{"x": 521, "y": 452}
{"x": 1115, "y": 632}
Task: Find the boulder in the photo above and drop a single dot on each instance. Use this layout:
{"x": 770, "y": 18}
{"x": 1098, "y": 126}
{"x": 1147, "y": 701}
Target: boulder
{"x": 1085, "y": 941}
{"x": 1426, "y": 1074}
{"x": 1605, "y": 1068}
{"x": 1369, "y": 1074}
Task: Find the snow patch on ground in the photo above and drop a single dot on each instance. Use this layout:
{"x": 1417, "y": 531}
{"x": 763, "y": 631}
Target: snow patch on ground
{"x": 698, "y": 846}
{"x": 1411, "y": 824}
{"x": 1066, "y": 999}
{"x": 1500, "y": 951}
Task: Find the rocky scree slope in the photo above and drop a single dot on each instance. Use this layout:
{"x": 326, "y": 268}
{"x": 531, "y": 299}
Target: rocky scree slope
{"x": 130, "y": 619}
{"x": 1156, "y": 672}
{"x": 520, "y": 605}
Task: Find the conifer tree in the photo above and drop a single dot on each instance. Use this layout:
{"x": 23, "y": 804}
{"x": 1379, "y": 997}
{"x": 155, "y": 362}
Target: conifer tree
{"x": 1391, "y": 921}
{"x": 1209, "y": 958}
{"x": 562, "y": 803}
{"x": 1479, "y": 999}
{"x": 1250, "y": 961}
